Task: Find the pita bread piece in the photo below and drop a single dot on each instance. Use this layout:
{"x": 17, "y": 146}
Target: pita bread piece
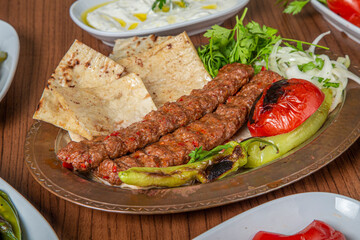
{"x": 81, "y": 69}
{"x": 128, "y": 47}
{"x": 102, "y": 110}
{"x": 169, "y": 70}
{"x": 50, "y": 110}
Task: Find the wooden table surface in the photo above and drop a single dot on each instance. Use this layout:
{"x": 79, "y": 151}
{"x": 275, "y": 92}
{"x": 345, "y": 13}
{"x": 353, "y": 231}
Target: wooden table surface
{"x": 46, "y": 32}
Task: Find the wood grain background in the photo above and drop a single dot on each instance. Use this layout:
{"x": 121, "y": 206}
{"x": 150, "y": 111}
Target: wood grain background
{"x": 46, "y": 32}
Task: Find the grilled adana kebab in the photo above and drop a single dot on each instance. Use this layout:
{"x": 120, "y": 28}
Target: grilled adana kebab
{"x": 210, "y": 131}
{"x": 87, "y": 155}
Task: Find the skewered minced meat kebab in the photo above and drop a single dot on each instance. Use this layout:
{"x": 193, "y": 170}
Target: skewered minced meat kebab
{"x": 210, "y": 131}
{"x": 87, "y": 155}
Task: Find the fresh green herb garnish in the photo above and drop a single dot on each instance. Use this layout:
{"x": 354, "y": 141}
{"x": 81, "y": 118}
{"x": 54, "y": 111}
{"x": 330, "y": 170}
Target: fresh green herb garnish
{"x": 199, "y": 154}
{"x": 319, "y": 64}
{"x": 299, "y": 44}
{"x": 331, "y": 84}
{"x": 306, "y": 66}
{"x": 326, "y": 82}
{"x": 295, "y": 6}
{"x": 244, "y": 44}
{"x": 319, "y": 79}
{"x": 161, "y": 3}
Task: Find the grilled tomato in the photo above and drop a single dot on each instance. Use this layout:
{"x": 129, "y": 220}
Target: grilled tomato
{"x": 283, "y": 106}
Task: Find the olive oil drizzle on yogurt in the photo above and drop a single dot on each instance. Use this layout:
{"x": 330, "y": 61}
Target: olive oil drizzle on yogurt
{"x": 85, "y": 13}
{"x": 124, "y": 15}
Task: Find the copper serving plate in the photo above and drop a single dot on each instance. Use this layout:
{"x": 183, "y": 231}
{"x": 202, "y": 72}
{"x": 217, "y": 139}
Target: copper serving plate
{"x": 339, "y": 132}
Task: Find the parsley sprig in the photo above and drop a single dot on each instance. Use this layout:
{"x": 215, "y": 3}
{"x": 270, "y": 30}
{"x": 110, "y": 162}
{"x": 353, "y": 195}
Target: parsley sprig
{"x": 245, "y": 44}
{"x": 199, "y": 154}
{"x": 161, "y": 3}
{"x": 295, "y": 7}
{"x": 326, "y": 82}
{"x": 158, "y": 3}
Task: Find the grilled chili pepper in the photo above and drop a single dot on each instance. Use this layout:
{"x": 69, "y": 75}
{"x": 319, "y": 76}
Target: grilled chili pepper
{"x": 212, "y": 165}
{"x": 7, "y": 198}
{"x": 9, "y": 221}
{"x": 260, "y": 153}
{"x": 211, "y": 168}
{"x": 6, "y": 230}
{"x": 201, "y": 171}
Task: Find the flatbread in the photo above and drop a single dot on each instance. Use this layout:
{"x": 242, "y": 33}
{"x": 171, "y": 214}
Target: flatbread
{"x": 102, "y": 110}
{"x": 50, "y": 110}
{"x": 83, "y": 67}
{"x": 127, "y": 47}
{"x": 169, "y": 70}
{"x": 89, "y": 96}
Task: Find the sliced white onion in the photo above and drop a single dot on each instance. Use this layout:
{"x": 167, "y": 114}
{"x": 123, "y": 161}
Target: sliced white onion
{"x": 316, "y": 41}
{"x": 272, "y": 59}
{"x": 286, "y": 61}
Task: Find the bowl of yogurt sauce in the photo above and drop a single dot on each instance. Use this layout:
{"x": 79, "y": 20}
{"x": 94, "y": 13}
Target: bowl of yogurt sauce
{"x": 111, "y": 20}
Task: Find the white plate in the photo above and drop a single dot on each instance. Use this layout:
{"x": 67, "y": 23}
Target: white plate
{"x": 33, "y": 224}
{"x": 192, "y": 27}
{"x": 291, "y": 214}
{"x": 338, "y": 22}
{"x": 9, "y": 42}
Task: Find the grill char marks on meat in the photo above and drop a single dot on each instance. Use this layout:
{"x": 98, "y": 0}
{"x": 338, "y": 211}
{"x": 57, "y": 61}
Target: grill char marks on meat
{"x": 87, "y": 155}
{"x": 210, "y": 131}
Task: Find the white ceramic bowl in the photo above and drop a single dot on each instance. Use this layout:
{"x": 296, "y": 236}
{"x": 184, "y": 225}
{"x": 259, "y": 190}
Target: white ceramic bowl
{"x": 291, "y": 214}
{"x": 338, "y": 22}
{"x": 192, "y": 27}
{"x": 9, "y": 42}
{"x": 33, "y": 224}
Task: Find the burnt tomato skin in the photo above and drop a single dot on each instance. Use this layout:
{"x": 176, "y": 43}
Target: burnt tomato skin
{"x": 283, "y": 106}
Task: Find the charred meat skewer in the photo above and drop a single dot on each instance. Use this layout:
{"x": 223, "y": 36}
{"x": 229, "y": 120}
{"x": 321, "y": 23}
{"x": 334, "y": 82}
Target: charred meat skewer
{"x": 211, "y": 130}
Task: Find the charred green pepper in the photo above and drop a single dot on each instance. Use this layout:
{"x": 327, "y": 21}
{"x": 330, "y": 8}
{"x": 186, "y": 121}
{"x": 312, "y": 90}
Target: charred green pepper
{"x": 208, "y": 166}
{"x": 7, "y": 198}
{"x": 260, "y": 153}
{"x": 6, "y": 230}
{"x": 9, "y": 220}
{"x": 232, "y": 157}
